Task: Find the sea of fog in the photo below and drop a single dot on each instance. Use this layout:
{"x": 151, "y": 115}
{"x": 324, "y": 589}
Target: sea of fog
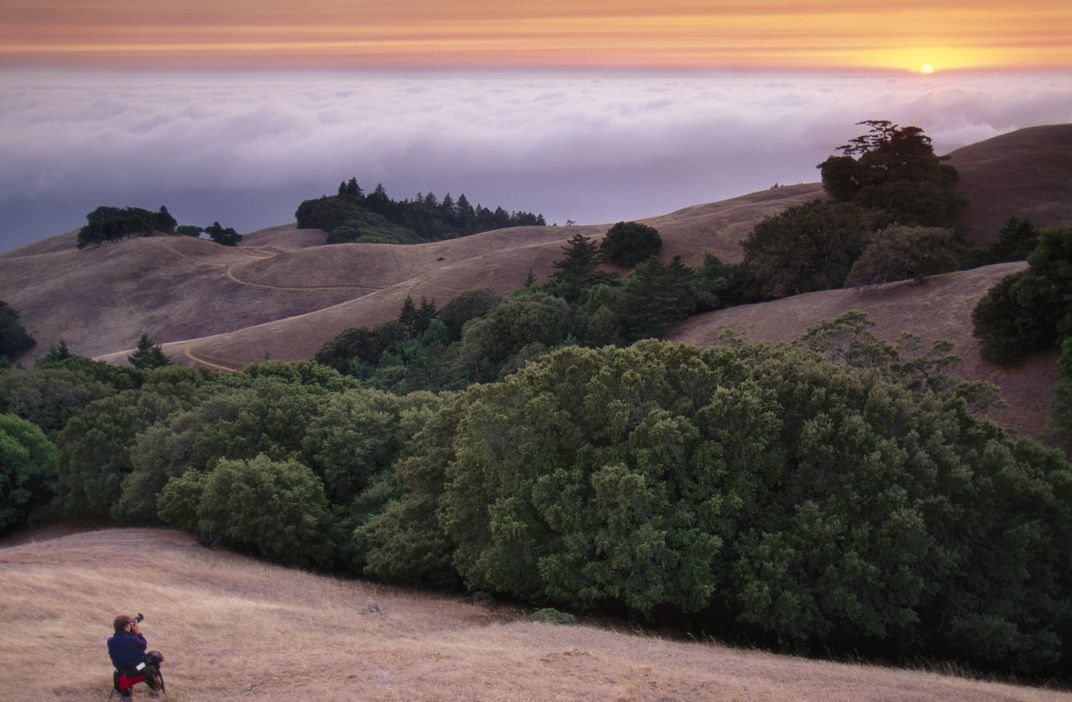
{"x": 245, "y": 148}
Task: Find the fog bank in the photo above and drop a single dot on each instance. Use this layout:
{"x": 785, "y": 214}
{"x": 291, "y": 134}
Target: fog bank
{"x": 246, "y": 148}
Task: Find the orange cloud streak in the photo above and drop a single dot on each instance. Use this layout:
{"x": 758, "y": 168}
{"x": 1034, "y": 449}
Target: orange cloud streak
{"x": 655, "y": 33}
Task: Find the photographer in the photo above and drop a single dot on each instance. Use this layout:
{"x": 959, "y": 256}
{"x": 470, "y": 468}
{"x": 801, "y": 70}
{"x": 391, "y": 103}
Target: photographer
{"x": 132, "y": 664}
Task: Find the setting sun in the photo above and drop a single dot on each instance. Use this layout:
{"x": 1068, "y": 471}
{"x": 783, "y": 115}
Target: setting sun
{"x": 926, "y": 68}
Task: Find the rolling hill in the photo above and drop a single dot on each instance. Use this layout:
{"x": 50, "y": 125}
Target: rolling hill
{"x": 233, "y": 628}
{"x": 283, "y": 293}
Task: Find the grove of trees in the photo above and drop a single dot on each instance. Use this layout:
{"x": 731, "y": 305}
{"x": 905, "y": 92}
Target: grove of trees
{"x": 354, "y": 216}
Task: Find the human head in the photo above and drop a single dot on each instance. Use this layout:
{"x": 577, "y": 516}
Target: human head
{"x": 122, "y": 622}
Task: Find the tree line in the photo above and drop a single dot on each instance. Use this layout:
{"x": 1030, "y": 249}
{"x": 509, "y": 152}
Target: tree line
{"x": 354, "y": 216}
{"x": 106, "y": 224}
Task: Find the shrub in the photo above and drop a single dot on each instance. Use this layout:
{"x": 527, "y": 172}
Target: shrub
{"x": 14, "y": 340}
{"x": 550, "y": 615}
{"x": 905, "y": 253}
{"x": 48, "y": 397}
{"x": 629, "y": 243}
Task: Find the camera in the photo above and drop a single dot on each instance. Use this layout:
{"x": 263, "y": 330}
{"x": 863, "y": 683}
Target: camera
{"x": 137, "y": 618}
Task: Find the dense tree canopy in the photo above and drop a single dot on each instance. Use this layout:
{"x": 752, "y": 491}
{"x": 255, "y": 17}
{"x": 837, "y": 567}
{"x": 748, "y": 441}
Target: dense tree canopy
{"x": 14, "y": 340}
{"x": 27, "y": 466}
{"x": 762, "y": 490}
{"x": 1032, "y": 309}
{"x": 114, "y": 223}
{"x": 805, "y": 248}
{"x": 354, "y": 216}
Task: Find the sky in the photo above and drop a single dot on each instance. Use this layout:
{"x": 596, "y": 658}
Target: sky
{"x": 815, "y": 34}
{"x": 591, "y": 110}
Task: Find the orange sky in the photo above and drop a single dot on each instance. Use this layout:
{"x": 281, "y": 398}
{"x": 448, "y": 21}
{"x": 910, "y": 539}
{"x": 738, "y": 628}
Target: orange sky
{"x": 948, "y": 34}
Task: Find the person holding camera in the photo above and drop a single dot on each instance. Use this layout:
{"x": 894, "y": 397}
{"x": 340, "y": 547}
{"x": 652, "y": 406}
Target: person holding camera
{"x": 132, "y": 664}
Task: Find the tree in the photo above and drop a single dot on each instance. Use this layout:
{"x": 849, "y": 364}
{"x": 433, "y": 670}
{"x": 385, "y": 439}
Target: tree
{"x": 14, "y": 341}
{"x": 1030, "y": 310}
{"x": 805, "y": 248}
{"x": 27, "y": 464}
{"x": 577, "y": 267}
{"x": 48, "y": 396}
{"x": 653, "y": 298}
{"x": 224, "y": 237}
{"x": 148, "y": 354}
{"x": 629, "y": 243}
{"x": 894, "y": 170}
{"x": 900, "y": 253}
{"x": 1016, "y": 240}
{"x": 467, "y": 305}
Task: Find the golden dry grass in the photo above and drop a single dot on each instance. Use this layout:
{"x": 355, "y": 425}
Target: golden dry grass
{"x": 233, "y": 629}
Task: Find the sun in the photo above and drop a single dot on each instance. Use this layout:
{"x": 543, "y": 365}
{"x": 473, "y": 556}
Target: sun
{"x": 926, "y": 69}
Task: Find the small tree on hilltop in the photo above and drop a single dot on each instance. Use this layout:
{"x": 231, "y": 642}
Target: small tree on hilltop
{"x": 629, "y": 243}
{"x": 224, "y": 236}
{"x": 148, "y": 355}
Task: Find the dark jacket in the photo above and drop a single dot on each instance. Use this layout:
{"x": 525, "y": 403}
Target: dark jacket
{"x": 127, "y": 650}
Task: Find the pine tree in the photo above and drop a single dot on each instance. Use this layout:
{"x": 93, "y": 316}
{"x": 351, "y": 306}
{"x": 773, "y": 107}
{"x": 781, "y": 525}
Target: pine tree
{"x": 148, "y": 354}
{"x": 576, "y": 269}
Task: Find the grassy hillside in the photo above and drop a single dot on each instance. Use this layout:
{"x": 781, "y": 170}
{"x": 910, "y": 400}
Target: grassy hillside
{"x": 938, "y": 309}
{"x": 234, "y": 628}
{"x": 1027, "y": 173}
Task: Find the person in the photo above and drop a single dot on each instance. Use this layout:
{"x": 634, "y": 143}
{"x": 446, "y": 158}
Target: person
{"x": 127, "y": 651}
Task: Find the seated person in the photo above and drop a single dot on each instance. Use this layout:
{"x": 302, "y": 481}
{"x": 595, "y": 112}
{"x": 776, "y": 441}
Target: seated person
{"x": 127, "y": 651}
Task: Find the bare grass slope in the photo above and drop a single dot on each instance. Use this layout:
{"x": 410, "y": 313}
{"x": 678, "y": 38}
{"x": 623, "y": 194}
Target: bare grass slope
{"x": 232, "y": 628}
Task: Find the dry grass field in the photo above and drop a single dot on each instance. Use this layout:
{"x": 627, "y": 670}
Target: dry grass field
{"x": 232, "y": 628}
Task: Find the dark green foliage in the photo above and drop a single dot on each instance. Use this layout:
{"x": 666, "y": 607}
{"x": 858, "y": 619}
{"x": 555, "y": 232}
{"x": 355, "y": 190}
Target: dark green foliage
{"x": 894, "y": 172}
{"x": 578, "y": 267}
{"x": 114, "y": 223}
{"x": 148, "y": 354}
{"x": 275, "y": 509}
{"x": 511, "y": 326}
{"x": 353, "y": 216}
{"x": 188, "y": 230}
{"x": 762, "y": 490}
{"x": 466, "y": 305}
{"x": 1062, "y": 398}
{"x": 116, "y": 377}
{"x": 14, "y": 340}
{"x": 653, "y": 298}
{"x": 905, "y": 253}
{"x": 1016, "y": 240}
{"x": 629, "y": 243}
{"x": 1030, "y": 310}
{"x": 48, "y": 396}
{"x": 27, "y": 464}
{"x": 56, "y": 352}
{"x": 405, "y": 543}
{"x": 805, "y": 248}
{"x": 223, "y": 236}
{"x": 95, "y": 449}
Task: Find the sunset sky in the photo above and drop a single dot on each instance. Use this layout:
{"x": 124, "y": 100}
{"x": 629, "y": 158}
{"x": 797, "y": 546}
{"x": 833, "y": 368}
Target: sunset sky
{"x": 793, "y": 34}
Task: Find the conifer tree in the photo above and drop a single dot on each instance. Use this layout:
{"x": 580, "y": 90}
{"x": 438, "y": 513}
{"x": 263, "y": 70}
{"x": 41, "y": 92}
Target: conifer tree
{"x": 576, "y": 269}
{"x": 148, "y": 354}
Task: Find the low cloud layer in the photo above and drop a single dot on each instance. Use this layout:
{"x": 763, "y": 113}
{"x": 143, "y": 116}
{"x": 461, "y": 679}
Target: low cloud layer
{"x": 246, "y": 148}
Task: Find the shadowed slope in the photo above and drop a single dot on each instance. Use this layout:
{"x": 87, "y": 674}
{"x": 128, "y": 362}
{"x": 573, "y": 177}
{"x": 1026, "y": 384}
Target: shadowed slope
{"x": 231, "y": 628}
{"x": 1027, "y": 173}
{"x": 939, "y": 309}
